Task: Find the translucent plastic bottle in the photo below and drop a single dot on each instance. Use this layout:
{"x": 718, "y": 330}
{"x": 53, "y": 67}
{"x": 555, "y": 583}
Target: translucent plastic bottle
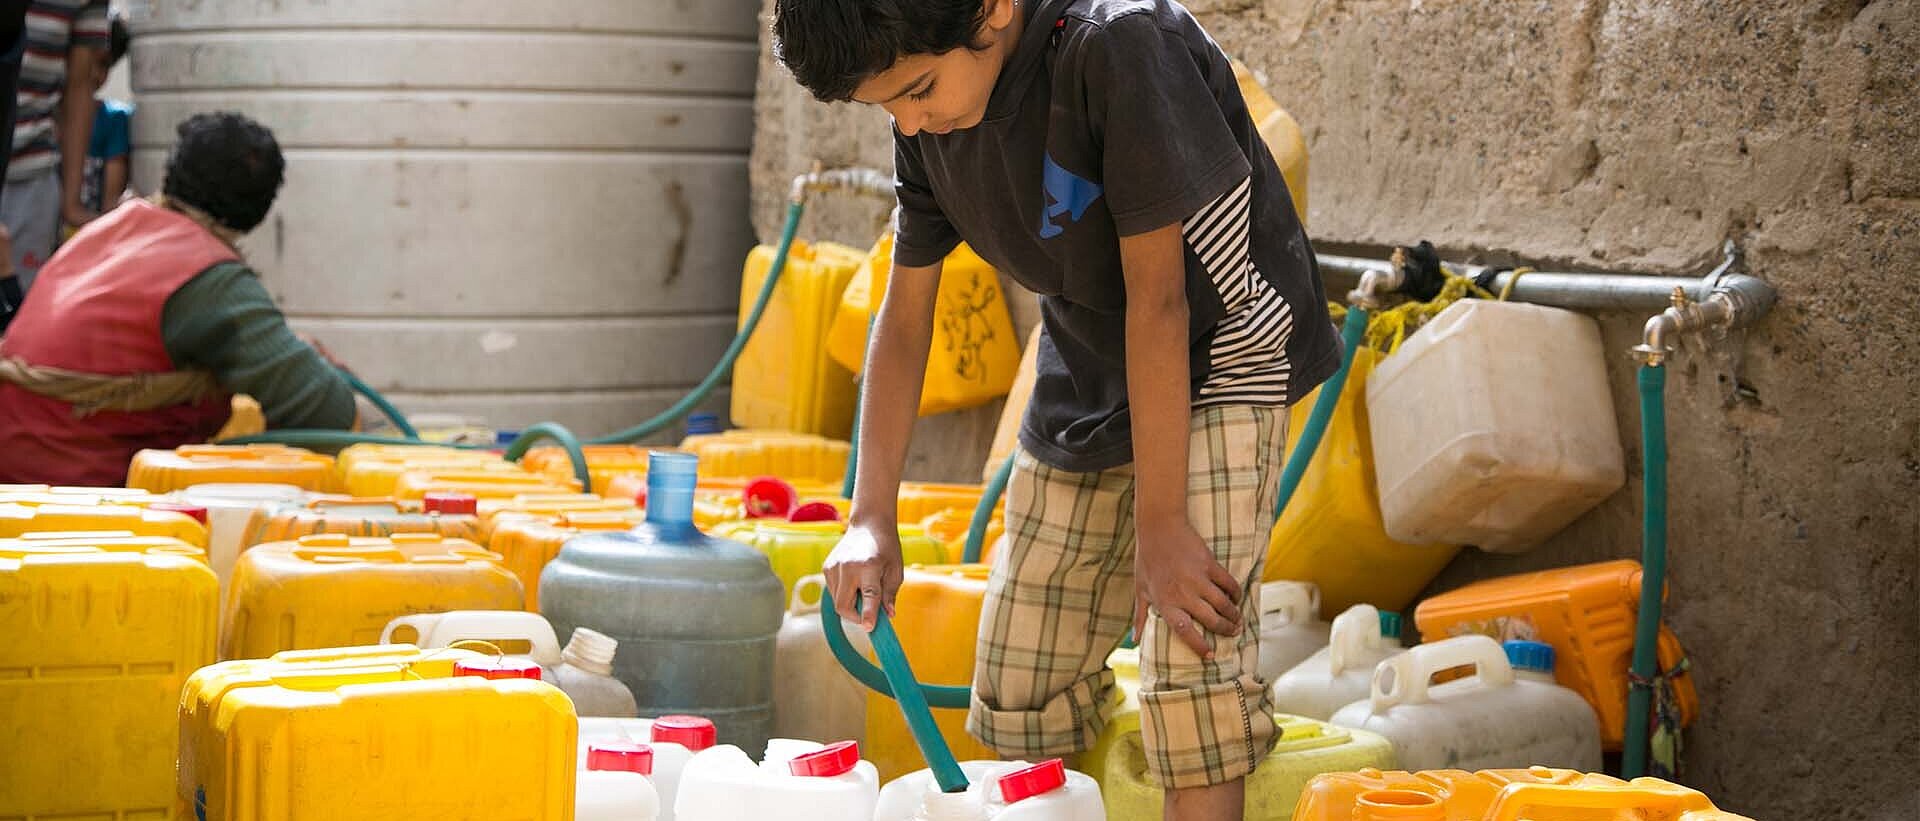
{"x": 1339, "y": 674}
{"x": 585, "y": 674}
{"x": 996, "y": 790}
{"x": 698, "y": 615}
{"x": 1507, "y": 714}
{"x": 615, "y": 785}
{"x": 1290, "y": 626}
{"x": 825, "y": 783}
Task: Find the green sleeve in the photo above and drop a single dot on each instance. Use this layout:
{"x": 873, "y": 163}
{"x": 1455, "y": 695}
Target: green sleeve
{"x": 224, "y": 321}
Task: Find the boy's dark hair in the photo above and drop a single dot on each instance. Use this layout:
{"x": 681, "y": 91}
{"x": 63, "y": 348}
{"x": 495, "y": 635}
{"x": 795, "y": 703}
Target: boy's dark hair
{"x": 832, "y": 46}
{"x": 117, "y": 39}
{"x": 226, "y": 165}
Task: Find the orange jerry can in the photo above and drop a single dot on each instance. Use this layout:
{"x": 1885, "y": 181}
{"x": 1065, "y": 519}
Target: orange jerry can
{"x": 448, "y": 514}
{"x": 1587, "y": 612}
{"x": 164, "y": 471}
{"x": 1533, "y": 794}
{"x": 526, "y": 543}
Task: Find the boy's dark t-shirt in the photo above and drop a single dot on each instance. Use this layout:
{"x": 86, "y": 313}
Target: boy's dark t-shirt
{"x": 1111, "y": 118}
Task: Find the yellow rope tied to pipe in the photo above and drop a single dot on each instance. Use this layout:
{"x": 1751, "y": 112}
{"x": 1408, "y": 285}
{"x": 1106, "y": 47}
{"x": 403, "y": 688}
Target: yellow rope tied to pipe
{"x": 1389, "y": 327}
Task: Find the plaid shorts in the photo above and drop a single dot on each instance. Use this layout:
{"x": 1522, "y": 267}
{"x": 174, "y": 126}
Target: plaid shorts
{"x": 1061, "y": 598}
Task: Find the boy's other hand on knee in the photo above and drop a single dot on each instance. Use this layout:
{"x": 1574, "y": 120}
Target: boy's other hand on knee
{"x": 865, "y": 563}
{"x": 1176, "y": 576}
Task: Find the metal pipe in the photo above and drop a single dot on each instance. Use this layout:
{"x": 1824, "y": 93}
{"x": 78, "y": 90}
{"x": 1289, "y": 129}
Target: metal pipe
{"x": 1596, "y": 292}
{"x": 868, "y": 181}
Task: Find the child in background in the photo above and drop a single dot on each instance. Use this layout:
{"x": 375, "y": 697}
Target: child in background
{"x": 110, "y": 150}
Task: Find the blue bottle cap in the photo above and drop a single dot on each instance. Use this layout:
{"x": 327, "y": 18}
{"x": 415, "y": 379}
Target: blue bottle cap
{"x": 1535, "y": 656}
{"x": 1389, "y": 624}
{"x": 700, "y": 423}
{"x": 503, "y": 438}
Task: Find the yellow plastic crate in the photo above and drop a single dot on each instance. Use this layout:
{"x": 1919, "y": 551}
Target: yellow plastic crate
{"x": 98, "y": 645}
{"x": 164, "y": 471}
{"x": 975, "y": 351}
{"x": 332, "y": 590}
{"x": 372, "y": 732}
{"x": 19, "y": 520}
{"x": 1331, "y": 532}
{"x": 526, "y": 543}
{"x": 784, "y": 379}
{"x": 1305, "y": 748}
{"x": 481, "y": 484}
{"x": 745, "y": 454}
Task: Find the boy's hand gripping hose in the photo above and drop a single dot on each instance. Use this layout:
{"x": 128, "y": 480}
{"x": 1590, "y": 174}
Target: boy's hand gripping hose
{"x": 894, "y": 678}
{"x": 1653, "y": 562}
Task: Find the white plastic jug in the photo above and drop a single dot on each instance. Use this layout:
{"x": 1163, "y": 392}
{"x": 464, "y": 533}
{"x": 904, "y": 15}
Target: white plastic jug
{"x": 230, "y": 509}
{"x": 813, "y": 696}
{"x": 616, "y": 785}
{"x": 1000, "y": 790}
{"x": 1290, "y": 625}
{"x": 1494, "y": 719}
{"x": 674, "y": 739}
{"x": 585, "y": 674}
{"x": 1493, "y": 426}
{"x": 1341, "y": 672}
{"x": 508, "y": 629}
{"x": 825, "y": 783}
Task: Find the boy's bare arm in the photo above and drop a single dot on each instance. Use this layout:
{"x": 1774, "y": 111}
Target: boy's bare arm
{"x": 75, "y": 129}
{"x": 1175, "y": 572}
{"x": 113, "y": 182}
{"x": 868, "y": 560}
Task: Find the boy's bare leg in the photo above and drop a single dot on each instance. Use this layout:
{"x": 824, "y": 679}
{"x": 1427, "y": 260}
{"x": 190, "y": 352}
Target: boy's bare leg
{"x": 1220, "y": 802}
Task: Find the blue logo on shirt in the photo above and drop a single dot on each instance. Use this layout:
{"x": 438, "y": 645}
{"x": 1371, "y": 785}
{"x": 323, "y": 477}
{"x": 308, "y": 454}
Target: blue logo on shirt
{"x": 1067, "y": 193}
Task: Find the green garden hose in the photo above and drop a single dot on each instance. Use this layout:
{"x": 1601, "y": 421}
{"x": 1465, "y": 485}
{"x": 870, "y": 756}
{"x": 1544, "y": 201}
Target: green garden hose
{"x": 1351, "y": 333}
{"x": 1653, "y": 563}
{"x": 894, "y": 679}
{"x": 983, "y": 512}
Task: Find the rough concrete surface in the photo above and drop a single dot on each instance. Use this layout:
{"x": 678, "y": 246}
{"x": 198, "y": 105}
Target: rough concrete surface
{"x": 1637, "y": 135}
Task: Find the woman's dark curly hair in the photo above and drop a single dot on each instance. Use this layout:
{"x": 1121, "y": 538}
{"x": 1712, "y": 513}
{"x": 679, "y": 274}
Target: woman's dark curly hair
{"x": 832, "y": 46}
{"x": 226, "y": 165}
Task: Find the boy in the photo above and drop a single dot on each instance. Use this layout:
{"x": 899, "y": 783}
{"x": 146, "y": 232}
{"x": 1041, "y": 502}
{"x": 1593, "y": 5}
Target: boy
{"x": 1099, "y": 152}
{"x": 43, "y": 176}
{"x": 110, "y": 150}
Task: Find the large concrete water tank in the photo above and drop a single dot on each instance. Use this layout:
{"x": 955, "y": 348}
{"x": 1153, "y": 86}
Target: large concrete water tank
{"x": 526, "y": 211}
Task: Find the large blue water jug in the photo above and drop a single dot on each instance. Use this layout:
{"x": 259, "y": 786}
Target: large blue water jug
{"x": 696, "y": 617}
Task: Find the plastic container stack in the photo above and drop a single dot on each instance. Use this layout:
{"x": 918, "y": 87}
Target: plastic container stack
{"x": 98, "y": 647}
{"x": 1534, "y": 794}
{"x": 1303, "y": 749}
{"x": 1505, "y": 715}
{"x": 456, "y": 740}
{"x": 1340, "y": 673}
{"x": 1586, "y": 613}
{"x": 701, "y": 614}
{"x": 1493, "y": 426}
{"x": 674, "y": 740}
{"x": 338, "y": 591}
{"x": 164, "y": 471}
{"x": 784, "y": 379}
{"x": 797, "y": 781}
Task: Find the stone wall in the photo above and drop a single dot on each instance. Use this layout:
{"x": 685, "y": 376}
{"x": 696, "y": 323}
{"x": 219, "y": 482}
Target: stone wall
{"x": 1637, "y": 135}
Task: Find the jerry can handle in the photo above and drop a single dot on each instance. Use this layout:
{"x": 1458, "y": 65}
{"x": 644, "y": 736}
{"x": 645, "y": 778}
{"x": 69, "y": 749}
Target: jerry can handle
{"x": 811, "y": 583}
{"x": 1354, "y": 633}
{"x": 895, "y": 679}
{"x": 1300, "y": 601}
{"x": 1644, "y": 794}
{"x": 1403, "y": 678}
{"x": 484, "y": 625}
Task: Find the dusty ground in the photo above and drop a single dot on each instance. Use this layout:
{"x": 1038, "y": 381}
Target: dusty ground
{"x": 1637, "y": 136}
